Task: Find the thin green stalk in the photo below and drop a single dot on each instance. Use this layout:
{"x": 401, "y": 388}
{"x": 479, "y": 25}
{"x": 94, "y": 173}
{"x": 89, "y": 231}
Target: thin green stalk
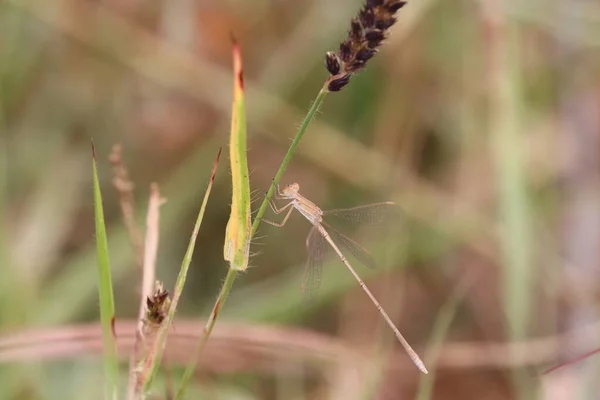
{"x": 189, "y": 371}
{"x": 438, "y": 335}
{"x": 232, "y": 274}
{"x": 288, "y": 157}
{"x": 506, "y": 140}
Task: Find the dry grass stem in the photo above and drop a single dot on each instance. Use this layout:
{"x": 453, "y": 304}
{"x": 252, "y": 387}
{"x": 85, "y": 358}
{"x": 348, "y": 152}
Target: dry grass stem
{"x": 150, "y": 303}
{"x": 254, "y": 347}
{"x": 125, "y": 188}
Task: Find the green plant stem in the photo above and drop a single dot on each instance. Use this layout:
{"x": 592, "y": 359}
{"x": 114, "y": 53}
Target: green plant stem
{"x": 208, "y": 328}
{"x": 439, "y": 334}
{"x": 232, "y": 274}
{"x": 288, "y": 157}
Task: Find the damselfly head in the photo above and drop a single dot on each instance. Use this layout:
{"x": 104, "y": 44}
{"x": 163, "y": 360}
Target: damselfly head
{"x": 291, "y": 189}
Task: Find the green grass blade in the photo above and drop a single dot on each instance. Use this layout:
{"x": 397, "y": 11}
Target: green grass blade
{"x": 107, "y": 302}
{"x": 438, "y": 335}
{"x": 154, "y": 357}
{"x": 232, "y": 273}
{"x": 236, "y": 249}
{"x": 237, "y": 235}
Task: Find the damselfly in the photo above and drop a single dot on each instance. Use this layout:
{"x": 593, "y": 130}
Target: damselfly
{"x": 315, "y": 242}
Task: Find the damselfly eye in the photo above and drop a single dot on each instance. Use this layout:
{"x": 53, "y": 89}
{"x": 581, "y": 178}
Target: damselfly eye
{"x": 294, "y": 187}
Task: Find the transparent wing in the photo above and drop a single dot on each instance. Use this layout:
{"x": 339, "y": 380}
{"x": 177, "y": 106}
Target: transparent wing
{"x": 359, "y": 252}
{"x": 315, "y": 244}
{"x": 377, "y": 214}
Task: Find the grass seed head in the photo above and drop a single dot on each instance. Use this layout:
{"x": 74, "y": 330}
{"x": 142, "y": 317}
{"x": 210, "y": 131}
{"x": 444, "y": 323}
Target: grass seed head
{"x": 157, "y": 306}
{"x": 367, "y": 32}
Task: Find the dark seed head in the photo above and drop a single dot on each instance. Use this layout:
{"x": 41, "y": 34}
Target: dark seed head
{"x": 346, "y": 51}
{"x": 161, "y": 295}
{"x": 365, "y": 54}
{"x": 385, "y": 24}
{"x": 374, "y": 3}
{"x": 374, "y": 37}
{"x": 367, "y": 18}
{"x": 367, "y": 32}
{"x": 338, "y": 83}
{"x": 355, "y": 66}
{"x": 356, "y": 32}
{"x": 332, "y": 63}
{"x": 394, "y": 6}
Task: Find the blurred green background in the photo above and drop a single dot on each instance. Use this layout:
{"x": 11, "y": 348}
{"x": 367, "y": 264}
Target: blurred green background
{"x": 480, "y": 118}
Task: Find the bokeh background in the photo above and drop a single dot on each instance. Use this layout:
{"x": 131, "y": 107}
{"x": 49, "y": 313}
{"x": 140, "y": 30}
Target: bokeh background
{"x": 480, "y": 118}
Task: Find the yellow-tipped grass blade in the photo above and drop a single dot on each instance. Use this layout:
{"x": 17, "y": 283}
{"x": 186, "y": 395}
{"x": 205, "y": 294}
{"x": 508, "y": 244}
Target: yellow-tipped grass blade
{"x": 237, "y": 235}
